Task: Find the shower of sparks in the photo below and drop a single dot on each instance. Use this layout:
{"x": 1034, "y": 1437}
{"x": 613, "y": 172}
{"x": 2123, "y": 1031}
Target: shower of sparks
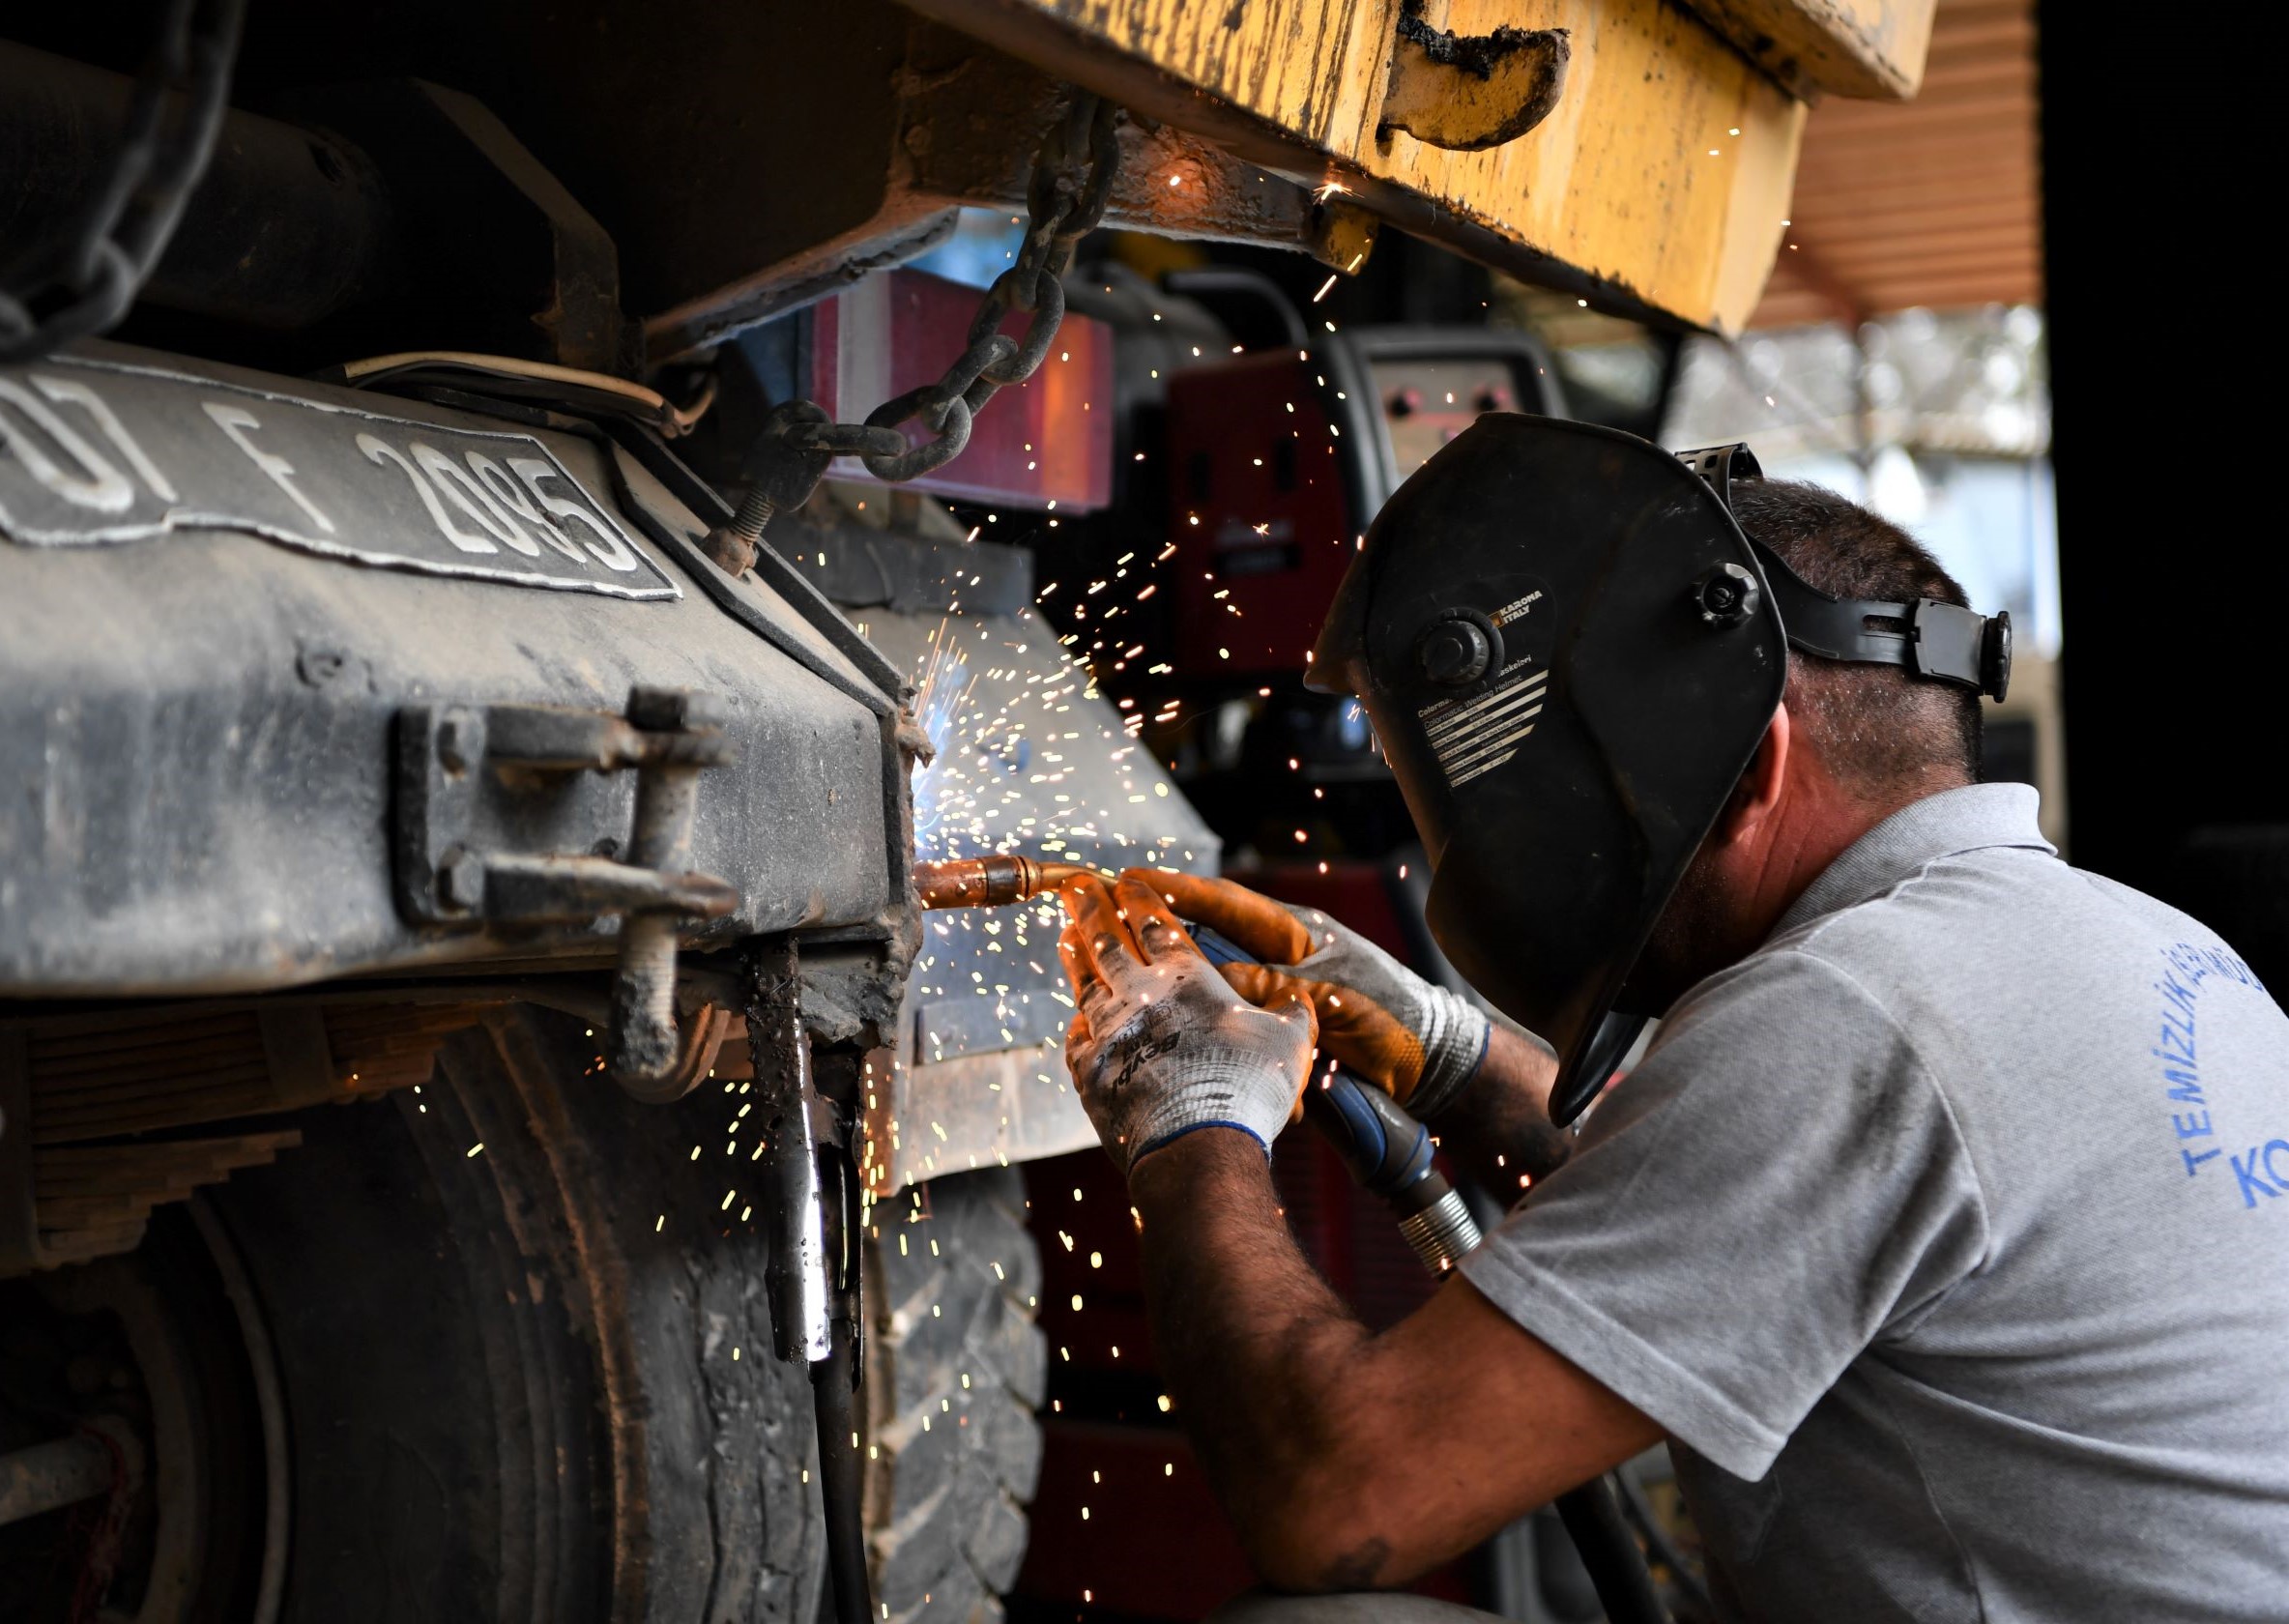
{"x": 1030, "y": 757}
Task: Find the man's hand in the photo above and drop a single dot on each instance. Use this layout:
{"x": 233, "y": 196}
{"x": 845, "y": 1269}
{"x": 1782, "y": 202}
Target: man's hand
{"x": 1420, "y": 1043}
{"x": 1162, "y": 1045}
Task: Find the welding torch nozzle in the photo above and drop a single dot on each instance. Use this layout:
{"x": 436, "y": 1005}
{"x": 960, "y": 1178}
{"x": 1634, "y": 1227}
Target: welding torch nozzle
{"x": 989, "y": 882}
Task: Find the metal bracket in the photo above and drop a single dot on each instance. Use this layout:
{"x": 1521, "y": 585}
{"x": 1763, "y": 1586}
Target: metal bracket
{"x": 1467, "y": 93}
{"x": 481, "y": 787}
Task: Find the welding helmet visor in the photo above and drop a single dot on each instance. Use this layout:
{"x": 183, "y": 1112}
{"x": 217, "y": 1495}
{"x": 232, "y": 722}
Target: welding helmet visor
{"x": 1564, "y": 644}
{"x": 1570, "y": 652}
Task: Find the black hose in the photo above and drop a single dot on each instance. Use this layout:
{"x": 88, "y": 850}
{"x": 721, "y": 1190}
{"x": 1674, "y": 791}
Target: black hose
{"x": 1660, "y": 1545}
{"x": 1609, "y": 1552}
{"x": 85, "y": 285}
{"x": 840, "y": 1479}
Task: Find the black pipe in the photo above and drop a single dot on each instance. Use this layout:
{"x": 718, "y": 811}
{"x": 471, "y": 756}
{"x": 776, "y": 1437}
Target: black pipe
{"x": 1609, "y": 1552}
{"x": 287, "y": 226}
{"x": 840, "y": 1478}
{"x": 834, "y": 1379}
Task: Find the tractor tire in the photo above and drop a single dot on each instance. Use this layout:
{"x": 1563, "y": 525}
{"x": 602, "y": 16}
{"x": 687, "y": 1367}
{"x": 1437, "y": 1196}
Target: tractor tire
{"x": 526, "y": 1355}
{"x": 513, "y": 1346}
{"x": 956, "y": 1368}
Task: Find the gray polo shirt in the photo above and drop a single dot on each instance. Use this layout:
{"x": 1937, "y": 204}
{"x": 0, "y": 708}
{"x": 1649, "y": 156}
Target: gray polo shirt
{"x": 1948, "y": 1237}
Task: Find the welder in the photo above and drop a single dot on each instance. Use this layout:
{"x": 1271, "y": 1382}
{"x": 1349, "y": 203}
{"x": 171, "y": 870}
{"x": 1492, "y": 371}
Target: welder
{"x": 1942, "y": 1228}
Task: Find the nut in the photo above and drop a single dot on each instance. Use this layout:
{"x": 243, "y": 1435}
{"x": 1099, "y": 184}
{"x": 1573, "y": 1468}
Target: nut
{"x": 460, "y": 739}
{"x": 734, "y": 554}
{"x": 1455, "y": 654}
{"x": 461, "y": 879}
{"x": 674, "y": 709}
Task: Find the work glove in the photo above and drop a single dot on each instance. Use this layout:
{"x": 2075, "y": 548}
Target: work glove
{"x": 1162, "y": 1045}
{"x": 1418, "y": 1042}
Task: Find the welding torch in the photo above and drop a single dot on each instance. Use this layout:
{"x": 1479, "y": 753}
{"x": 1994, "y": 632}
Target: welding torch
{"x": 1389, "y": 1154}
{"x": 992, "y": 882}
{"x": 1384, "y": 1150}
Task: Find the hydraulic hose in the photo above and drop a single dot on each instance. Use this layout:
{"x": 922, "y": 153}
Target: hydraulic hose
{"x": 1592, "y": 1515}
{"x": 840, "y": 1479}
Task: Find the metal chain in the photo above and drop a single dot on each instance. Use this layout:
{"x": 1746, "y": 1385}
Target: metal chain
{"x": 85, "y": 285}
{"x": 1073, "y": 175}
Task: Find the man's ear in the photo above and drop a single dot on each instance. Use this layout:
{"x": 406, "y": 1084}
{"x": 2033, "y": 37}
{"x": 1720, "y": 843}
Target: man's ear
{"x": 1759, "y": 792}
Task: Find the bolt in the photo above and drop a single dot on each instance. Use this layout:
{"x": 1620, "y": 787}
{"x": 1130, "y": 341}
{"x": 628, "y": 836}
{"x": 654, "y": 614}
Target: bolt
{"x": 1455, "y": 652}
{"x": 460, "y": 741}
{"x": 754, "y": 516}
{"x": 673, "y": 710}
{"x": 461, "y": 879}
{"x": 321, "y": 666}
{"x": 659, "y": 710}
{"x": 734, "y": 545}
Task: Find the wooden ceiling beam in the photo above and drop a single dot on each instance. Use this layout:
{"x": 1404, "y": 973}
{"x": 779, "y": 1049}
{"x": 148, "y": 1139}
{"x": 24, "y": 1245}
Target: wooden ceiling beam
{"x": 1875, "y": 200}
{"x": 1960, "y": 289}
{"x": 1943, "y": 112}
{"x": 1956, "y": 43}
{"x": 1866, "y": 277}
{"x": 1845, "y": 302}
{"x": 1930, "y": 202}
{"x": 2005, "y": 216}
{"x": 2001, "y": 117}
{"x": 1844, "y": 252}
{"x": 1963, "y": 170}
{"x": 1976, "y": 73}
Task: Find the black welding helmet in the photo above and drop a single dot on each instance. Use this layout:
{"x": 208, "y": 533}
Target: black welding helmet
{"x": 1570, "y": 652}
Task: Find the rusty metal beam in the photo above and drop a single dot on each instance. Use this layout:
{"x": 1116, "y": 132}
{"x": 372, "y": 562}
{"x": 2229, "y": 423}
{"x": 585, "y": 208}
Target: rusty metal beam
{"x": 1656, "y": 185}
{"x": 959, "y": 127}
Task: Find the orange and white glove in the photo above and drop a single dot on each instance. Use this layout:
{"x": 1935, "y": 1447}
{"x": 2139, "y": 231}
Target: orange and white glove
{"x": 1419, "y": 1043}
{"x": 1162, "y": 1045}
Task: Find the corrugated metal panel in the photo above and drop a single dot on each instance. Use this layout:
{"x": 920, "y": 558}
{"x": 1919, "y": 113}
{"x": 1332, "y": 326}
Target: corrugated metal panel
{"x": 1931, "y": 203}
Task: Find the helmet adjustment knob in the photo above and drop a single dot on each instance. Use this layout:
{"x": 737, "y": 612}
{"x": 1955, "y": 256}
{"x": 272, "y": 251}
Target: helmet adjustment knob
{"x": 1455, "y": 652}
{"x": 1727, "y": 596}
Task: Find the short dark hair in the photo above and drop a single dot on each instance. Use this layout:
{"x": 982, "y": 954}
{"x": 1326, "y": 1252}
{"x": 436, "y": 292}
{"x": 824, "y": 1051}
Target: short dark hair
{"x": 1885, "y": 735}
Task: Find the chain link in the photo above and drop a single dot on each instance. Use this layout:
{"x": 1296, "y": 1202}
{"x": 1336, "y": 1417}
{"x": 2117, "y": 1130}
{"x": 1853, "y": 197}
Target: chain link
{"x": 1073, "y": 175}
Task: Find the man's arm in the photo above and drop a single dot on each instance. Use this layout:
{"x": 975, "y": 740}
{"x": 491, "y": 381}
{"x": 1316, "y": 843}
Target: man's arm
{"x": 1498, "y": 1132}
{"x": 1348, "y": 1460}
